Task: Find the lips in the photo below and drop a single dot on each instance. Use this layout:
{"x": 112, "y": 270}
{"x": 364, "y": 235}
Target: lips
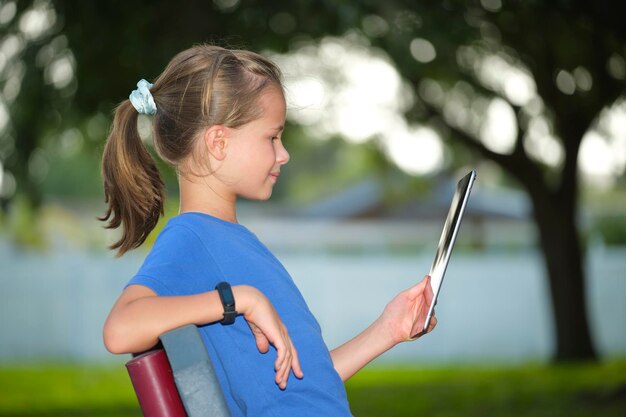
{"x": 275, "y": 175}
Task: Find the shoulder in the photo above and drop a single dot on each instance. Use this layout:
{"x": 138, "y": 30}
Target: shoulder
{"x": 182, "y": 243}
{"x": 178, "y": 236}
{"x": 179, "y": 262}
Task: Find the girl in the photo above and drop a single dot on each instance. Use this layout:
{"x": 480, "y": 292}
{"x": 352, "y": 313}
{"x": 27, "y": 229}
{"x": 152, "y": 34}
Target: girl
{"x": 218, "y": 119}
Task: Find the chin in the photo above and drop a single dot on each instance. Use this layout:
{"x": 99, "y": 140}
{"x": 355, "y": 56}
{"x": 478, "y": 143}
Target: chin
{"x": 259, "y": 196}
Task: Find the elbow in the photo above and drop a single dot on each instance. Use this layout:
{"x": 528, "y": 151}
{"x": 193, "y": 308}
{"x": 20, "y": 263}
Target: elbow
{"x": 114, "y": 339}
{"x": 114, "y": 346}
{"x": 120, "y": 337}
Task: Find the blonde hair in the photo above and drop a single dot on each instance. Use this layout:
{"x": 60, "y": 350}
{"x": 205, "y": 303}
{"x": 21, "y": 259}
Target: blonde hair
{"x": 202, "y": 86}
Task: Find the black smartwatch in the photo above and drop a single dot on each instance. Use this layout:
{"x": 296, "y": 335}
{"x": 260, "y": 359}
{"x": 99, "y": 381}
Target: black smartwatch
{"x": 228, "y": 302}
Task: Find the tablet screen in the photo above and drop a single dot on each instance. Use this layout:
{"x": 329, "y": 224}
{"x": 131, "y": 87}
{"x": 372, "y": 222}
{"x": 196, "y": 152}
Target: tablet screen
{"x": 448, "y": 236}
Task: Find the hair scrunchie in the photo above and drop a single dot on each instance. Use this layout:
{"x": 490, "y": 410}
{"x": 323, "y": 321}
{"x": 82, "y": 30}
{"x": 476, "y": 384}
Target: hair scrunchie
{"x": 142, "y": 99}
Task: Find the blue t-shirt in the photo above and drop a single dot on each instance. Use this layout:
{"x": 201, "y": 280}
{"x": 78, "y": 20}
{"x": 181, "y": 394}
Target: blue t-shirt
{"x": 192, "y": 254}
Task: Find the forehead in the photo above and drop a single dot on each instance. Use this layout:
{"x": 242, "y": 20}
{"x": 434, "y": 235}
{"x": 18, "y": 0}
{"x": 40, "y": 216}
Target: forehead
{"x": 273, "y": 105}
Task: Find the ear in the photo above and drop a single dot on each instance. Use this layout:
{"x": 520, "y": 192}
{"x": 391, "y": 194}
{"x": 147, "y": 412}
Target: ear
{"x": 215, "y": 141}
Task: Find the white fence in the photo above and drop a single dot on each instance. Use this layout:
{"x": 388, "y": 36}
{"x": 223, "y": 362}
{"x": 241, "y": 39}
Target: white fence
{"x": 493, "y": 307}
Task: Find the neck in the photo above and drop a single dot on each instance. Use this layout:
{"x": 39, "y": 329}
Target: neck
{"x": 199, "y": 194}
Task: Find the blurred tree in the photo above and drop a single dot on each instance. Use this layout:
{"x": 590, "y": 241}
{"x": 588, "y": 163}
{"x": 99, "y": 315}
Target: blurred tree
{"x": 459, "y": 57}
{"x": 553, "y": 66}
{"x": 463, "y": 56}
{"x": 30, "y": 92}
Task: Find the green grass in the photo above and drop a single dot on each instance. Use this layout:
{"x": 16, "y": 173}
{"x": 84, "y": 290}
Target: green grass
{"x": 565, "y": 390}
{"x": 66, "y": 391}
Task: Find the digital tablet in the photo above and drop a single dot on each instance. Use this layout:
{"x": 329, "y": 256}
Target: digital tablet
{"x": 448, "y": 236}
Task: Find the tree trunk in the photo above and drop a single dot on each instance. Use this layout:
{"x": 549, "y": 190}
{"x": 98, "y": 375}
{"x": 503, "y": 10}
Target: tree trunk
{"x": 563, "y": 255}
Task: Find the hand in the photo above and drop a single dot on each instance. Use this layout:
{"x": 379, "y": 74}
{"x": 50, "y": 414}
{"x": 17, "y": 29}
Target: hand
{"x": 404, "y": 316}
{"x": 268, "y": 328}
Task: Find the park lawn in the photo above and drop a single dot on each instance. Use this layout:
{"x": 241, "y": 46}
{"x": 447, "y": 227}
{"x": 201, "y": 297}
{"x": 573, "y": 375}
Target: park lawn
{"x": 533, "y": 390}
{"x": 564, "y": 390}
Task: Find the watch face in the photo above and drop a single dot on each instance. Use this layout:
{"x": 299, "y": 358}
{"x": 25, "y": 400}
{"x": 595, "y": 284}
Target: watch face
{"x": 228, "y": 298}
{"x": 226, "y": 294}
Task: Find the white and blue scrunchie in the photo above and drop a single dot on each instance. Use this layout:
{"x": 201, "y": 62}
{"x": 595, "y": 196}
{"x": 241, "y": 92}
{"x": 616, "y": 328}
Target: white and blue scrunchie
{"x": 141, "y": 98}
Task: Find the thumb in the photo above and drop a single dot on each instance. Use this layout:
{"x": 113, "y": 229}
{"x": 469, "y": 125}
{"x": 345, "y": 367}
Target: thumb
{"x": 419, "y": 288}
{"x": 262, "y": 343}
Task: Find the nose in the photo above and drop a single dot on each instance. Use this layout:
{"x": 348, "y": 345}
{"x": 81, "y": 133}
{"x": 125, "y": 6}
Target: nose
{"x": 282, "y": 156}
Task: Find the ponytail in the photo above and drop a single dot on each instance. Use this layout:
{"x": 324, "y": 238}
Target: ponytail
{"x": 133, "y": 188}
{"x": 200, "y": 87}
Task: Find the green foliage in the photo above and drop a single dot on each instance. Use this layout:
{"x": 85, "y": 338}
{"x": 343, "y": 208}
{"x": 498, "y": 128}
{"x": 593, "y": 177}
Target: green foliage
{"x": 321, "y": 168}
{"x": 74, "y": 176}
{"x": 612, "y": 229}
{"x": 23, "y": 223}
{"x": 569, "y": 390}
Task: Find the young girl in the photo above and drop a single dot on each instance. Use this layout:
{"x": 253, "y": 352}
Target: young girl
{"x": 218, "y": 118}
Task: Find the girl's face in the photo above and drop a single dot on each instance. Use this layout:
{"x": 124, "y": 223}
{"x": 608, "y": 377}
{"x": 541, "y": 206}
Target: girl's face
{"x": 255, "y": 152}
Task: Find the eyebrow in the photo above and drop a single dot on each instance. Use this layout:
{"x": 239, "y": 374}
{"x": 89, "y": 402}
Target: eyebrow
{"x": 279, "y": 128}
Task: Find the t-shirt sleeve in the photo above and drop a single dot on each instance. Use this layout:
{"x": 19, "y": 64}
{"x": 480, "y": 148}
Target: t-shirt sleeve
{"x": 178, "y": 264}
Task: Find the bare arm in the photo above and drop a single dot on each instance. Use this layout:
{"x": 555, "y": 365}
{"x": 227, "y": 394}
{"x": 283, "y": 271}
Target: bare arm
{"x": 401, "y": 320}
{"x": 140, "y": 316}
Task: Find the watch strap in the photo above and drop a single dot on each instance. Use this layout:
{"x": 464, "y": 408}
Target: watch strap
{"x": 228, "y": 302}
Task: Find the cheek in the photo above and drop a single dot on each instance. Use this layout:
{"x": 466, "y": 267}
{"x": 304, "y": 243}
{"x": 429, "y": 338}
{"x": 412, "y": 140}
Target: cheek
{"x": 267, "y": 154}
{"x": 256, "y": 163}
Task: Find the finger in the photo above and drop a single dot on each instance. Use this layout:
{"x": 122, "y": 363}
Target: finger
{"x": 418, "y": 289}
{"x": 432, "y": 320}
{"x": 283, "y": 359}
{"x": 282, "y": 371}
{"x": 429, "y": 291}
{"x": 286, "y": 370}
{"x": 423, "y": 283}
{"x": 415, "y": 331}
{"x": 289, "y": 359}
{"x": 280, "y": 357}
{"x": 419, "y": 333}
{"x": 290, "y": 362}
{"x": 295, "y": 364}
{"x": 433, "y": 323}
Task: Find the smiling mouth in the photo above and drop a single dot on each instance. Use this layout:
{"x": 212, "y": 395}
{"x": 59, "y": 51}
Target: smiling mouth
{"x": 275, "y": 175}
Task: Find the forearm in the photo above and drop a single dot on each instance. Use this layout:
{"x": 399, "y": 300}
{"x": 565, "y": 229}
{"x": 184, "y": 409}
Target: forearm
{"x": 136, "y": 325}
{"x": 401, "y": 321}
{"x": 353, "y": 355}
